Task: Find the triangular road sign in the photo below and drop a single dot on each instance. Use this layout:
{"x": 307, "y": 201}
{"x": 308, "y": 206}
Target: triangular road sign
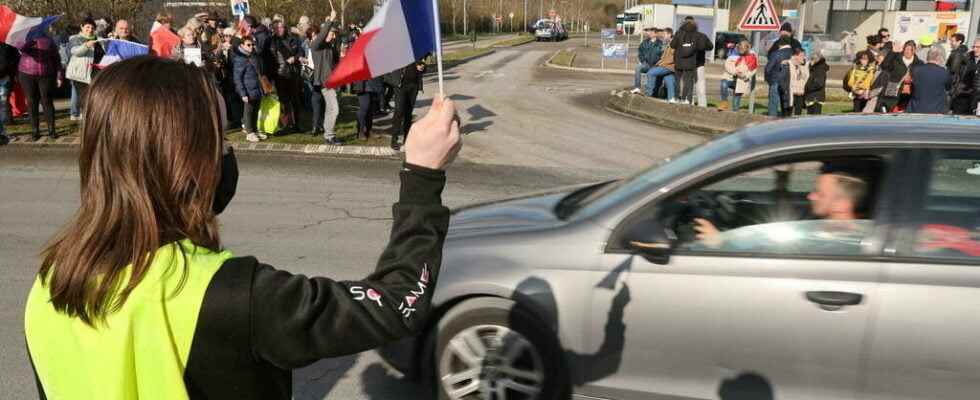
{"x": 760, "y": 16}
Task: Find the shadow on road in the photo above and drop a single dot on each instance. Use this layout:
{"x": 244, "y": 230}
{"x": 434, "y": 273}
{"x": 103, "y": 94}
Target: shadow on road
{"x": 454, "y": 97}
{"x": 746, "y": 386}
{"x": 315, "y": 381}
{"x": 476, "y": 127}
{"x": 378, "y": 383}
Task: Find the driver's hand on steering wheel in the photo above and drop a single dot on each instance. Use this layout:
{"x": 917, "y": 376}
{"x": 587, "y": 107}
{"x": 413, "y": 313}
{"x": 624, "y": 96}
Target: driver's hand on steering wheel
{"x": 708, "y": 234}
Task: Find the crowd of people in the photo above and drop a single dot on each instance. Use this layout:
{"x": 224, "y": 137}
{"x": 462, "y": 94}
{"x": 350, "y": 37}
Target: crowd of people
{"x": 248, "y": 60}
{"x": 887, "y": 77}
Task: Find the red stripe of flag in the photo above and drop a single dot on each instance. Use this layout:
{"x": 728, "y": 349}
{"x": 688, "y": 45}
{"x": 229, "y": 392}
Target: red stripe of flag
{"x": 7, "y": 17}
{"x": 353, "y": 67}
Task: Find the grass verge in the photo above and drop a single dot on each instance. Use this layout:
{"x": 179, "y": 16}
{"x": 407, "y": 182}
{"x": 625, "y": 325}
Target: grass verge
{"x": 762, "y": 106}
{"x": 563, "y": 58}
{"x": 517, "y": 41}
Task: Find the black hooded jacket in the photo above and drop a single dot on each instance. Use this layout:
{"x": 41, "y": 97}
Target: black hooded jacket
{"x": 689, "y": 46}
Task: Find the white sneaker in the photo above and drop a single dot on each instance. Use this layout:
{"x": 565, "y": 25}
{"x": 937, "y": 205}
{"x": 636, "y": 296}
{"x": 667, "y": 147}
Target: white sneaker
{"x": 76, "y": 118}
{"x": 261, "y": 135}
{"x": 635, "y": 91}
{"x": 251, "y": 137}
{"x": 672, "y": 101}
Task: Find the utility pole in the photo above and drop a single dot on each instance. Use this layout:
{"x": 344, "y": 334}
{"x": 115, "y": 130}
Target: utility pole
{"x": 974, "y": 21}
{"x": 465, "y": 11}
{"x": 525, "y": 16}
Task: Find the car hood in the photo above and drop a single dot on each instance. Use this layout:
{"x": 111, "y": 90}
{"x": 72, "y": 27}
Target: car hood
{"x": 525, "y": 212}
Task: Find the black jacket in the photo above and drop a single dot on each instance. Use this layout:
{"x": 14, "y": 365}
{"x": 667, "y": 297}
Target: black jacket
{"x": 795, "y": 44}
{"x": 263, "y": 49}
{"x": 257, "y": 323}
{"x": 410, "y": 77}
{"x": 816, "y": 85}
{"x": 961, "y": 69}
{"x": 895, "y": 67}
{"x": 930, "y": 85}
{"x": 976, "y": 77}
{"x": 282, "y": 49}
{"x": 9, "y": 58}
{"x": 325, "y": 54}
{"x": 689, "y": 46}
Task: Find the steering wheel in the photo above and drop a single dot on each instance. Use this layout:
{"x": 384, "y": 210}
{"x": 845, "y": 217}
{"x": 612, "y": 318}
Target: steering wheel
{"x": 718, "y": 209}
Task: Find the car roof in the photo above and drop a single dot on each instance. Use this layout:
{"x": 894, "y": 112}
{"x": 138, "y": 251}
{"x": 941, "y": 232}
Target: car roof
{"x": 890, "y": 129}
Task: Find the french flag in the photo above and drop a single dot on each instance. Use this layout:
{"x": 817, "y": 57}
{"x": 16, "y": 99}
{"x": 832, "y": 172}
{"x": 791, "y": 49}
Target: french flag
{"x": 400, "y": 33}
{"x": 16, "y": 30}
{"x": 117, "y": 50}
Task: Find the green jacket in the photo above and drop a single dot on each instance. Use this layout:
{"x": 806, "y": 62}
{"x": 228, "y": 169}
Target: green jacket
{"x": 650, "y": 51}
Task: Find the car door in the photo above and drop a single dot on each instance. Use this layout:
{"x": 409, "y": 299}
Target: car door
{"x": 926, "y": 328}
{"x": 714, "y": 323}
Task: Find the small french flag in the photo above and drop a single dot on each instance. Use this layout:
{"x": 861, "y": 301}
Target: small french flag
{"x": 400, "y": 33}
{"x": 117, "y": 50}
{"x": 16, "y": 29}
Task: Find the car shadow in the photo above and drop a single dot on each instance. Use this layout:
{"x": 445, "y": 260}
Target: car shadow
{"x": 379, "y": 383}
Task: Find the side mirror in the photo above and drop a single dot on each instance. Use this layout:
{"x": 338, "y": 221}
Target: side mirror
{"x": 652, "y": 240}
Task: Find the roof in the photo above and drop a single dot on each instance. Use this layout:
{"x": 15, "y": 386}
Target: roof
{"x": 866, "y": 128}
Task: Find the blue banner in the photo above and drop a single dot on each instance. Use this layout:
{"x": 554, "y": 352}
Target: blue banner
{"x": 614, "y": 50}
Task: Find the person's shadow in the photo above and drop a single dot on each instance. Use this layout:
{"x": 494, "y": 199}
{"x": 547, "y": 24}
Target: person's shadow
{"x": 746, "y": 386}
{"x": 582, "y": 368}
{"x": 315, "y": 381}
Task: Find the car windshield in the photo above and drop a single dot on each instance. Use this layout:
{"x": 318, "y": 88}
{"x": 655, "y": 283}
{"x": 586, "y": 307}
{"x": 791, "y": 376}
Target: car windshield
{"x": 659, "y": 174}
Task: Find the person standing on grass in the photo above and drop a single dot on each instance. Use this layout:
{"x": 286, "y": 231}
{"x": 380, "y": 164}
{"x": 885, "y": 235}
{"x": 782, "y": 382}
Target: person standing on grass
{"x": 799, "y": 74}
{"x": 815, "y": 92}
{"x": 649, "y": 55}
{"x": 286, "y": 48}
{"x": 367, "y": 99}
{"x": 931, "y": 84}
{"x": 325, "y": 51}
{"x": 9, "y": 58}
{"x": 40, "y": 74}
{"x": 248, "y": 87}
{"x": 860, "y": 78}
{"x": 138, "y": 298}
{"x": 897, "y": 89}
{"x": 409, "y": 86}
{"x": 777, "y": 75}
{"x": 85, "y": 53}
{"x": 742, "y": 69}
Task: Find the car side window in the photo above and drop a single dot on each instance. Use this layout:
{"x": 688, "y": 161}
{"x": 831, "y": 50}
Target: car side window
{"x": 805, "y": 208}
{"x": 948, "y": 224}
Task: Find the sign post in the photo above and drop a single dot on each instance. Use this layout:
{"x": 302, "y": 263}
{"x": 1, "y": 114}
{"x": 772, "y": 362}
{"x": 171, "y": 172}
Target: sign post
{"x": 759, "y": 17}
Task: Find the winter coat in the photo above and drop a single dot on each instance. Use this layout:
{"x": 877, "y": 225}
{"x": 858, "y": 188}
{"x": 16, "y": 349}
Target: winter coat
{"x": 794, "y": 44}
{"x": 687, "y": 44}
{"x": 799, "y": 74}
{"x": 246, "y": 75}
{"x": 776, "y": 71}
{"x": 9, "y": 58}
{"x": 82, "y": 58}
{"x": 816, "y": 85}
{"x": 325, "y": 54}
{"x": 742, "y": 69}
{"x": 895, "y": 66}
{"x": 667, "y": 60}
{"x": 961, "y": 68}
{"x": 859, "y": 79}
{"x": 929, "y": 91}
{"x": 650, "y": 51}
{"x": 976, "y": 77}
{"x": 282, "y": 49}
{"x": 40, "y": 57}
{"x": 263, "y": 51}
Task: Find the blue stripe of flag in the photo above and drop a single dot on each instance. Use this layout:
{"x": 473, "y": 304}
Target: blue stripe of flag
{"x": 419, "y": 19}
{"x": 41, "y": 28}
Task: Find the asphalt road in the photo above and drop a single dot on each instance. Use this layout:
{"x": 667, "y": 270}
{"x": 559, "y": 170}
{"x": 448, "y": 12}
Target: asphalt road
{"x": 530, "y": 128}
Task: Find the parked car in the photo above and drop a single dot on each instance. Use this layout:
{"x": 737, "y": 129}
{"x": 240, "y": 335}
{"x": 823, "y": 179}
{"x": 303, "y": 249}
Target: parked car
{"x": 832, "y": 50}
{"x": 725, "y": 41}
{"x": 606, "y": 291}
{"x": 550, "y": 31}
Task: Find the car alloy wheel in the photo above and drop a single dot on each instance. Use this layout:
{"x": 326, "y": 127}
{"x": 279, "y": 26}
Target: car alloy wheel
{"x": 491, "y": 362}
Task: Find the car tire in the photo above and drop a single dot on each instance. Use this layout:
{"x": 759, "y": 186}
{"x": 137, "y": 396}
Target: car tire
{"x": 481, "y": 316}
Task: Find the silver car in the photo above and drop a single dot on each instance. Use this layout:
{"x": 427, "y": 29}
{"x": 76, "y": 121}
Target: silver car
{"x": 818, "y": 258}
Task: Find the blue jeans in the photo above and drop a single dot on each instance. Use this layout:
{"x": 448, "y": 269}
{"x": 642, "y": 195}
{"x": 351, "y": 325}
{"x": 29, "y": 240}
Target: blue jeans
{"x": 726, "y": 89}
{"x": 75, "y": 111}
{"x": 656, "y": 75}
{"x": 5, "y": 86}
{"x": 775, "y": 100}
{"x": 641, "y": 69}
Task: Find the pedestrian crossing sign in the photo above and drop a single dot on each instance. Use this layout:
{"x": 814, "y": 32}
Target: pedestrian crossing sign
{"x": 761, "y": 15}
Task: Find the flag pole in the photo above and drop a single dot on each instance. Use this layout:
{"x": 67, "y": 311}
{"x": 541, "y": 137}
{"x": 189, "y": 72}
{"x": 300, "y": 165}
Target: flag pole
{"x": 438, "y": 33}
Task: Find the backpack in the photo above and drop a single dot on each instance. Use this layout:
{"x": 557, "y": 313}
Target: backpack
{"x": 685, "y": 50}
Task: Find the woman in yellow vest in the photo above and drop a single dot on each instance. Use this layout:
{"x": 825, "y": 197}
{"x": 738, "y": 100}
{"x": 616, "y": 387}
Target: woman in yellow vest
{"x": 137, "y": 299}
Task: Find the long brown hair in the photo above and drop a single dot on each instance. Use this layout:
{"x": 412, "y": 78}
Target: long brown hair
{"x": 149, "y": 165}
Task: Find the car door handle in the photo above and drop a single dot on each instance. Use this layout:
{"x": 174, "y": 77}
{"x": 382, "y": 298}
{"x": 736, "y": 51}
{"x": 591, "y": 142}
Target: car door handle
{"x": 834, "y": 299}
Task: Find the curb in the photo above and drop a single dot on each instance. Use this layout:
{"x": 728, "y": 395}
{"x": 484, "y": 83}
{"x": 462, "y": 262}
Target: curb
{"x": 312, "y": 149}
{"x": 706, "y": 121}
